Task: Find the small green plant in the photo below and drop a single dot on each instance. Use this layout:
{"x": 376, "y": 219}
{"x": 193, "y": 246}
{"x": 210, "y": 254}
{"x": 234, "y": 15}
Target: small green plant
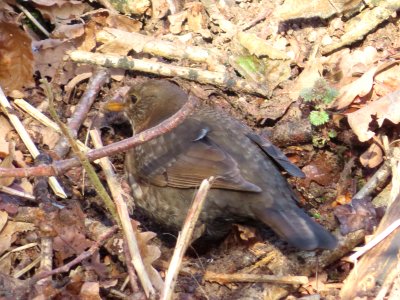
{"x": 319, "y": 97}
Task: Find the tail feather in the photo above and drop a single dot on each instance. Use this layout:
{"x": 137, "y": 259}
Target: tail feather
{"x": 297, "y": 228}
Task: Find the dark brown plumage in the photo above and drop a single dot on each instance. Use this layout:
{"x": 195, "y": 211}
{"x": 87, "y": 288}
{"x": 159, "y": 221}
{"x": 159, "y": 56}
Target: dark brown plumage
{"x": 165, "y": 172}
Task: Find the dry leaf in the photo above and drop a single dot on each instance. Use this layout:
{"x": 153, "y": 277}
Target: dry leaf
{"x": 260, "y": 47}
{"x": 124, "y": 23}
{"x": 360, "y": 87}
{"x": 357, "y": 61}
{"x": 61, "y": 10}
{"x": 176, "y": 22}
{"x": 159, "y": 9}
{"x": 385, "y": 108}
{"x": 3, "y": 219}
{"x": 90, "y": 291}
{"x": 63, "y": 31}
{"x": 5, "y": 128}
{"x": 9, "y": 232}
{"x": 7, "y": 163}
{"x": 128, "y": 7}
{"x": 295, "y": 9}
{"x": 50, "y": 137}
{"x": 373, "y": 157}
{"x": 16, "y": 58}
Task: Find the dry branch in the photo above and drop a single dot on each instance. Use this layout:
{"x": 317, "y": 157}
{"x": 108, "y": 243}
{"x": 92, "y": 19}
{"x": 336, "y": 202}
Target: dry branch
{"x": 221, "y": 79}
{"x": 184, "y": 238}
{"x": 60, "y": 167}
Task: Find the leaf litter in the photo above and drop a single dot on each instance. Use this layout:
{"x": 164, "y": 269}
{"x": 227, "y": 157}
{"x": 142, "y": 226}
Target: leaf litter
{"x": 278, "y": 56}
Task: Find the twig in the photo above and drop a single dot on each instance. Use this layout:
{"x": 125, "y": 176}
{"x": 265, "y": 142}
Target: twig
{"x": 21, "y": 272}
{"x": 99, "y": 78}
{"x": 258, "y": 19}
{"x": 61, "y": 166}
{"x": 132, "y": 278}
{"x": 375, "y": 241}
{"x": 14, "y": 192}
{"x": 21, "y": 248}
{"x": 35, "y": 113}
{"x": 86, "y": 254}
{"x": 184, "y": 239}
{"x": 46, "y": 258}
{"x": 221, "y": 79}
{"x": 158, "y": 47}
{"x": 375, "y": 181}
{"x": 58, "y": 190}
{"x": 219, "y": 18}
{"x": 240, "y": 277}
{"x": 101, "y": 191}
{"x": 33, "y": 20}
{"x": 122, "y": 209}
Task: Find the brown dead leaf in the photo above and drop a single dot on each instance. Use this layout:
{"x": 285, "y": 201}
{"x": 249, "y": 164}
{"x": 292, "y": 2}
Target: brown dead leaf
{"x": 7, "y": 163}
{"x": 246, "y": 233}
{"x": 50, "y": 137}
{"x": 159, "y": 8}
{"x": 149, "y": 254}
{"x": 64, "y": 31}
{"x": 359, "y": 214}
{"x": 294, "y": 9}
{"x": 176, "y": 22}
{"x": 360, "y": 87}
{"x": 386, "y": 108}
{"x": 389, "y": 79}
{"x": 16, "y": 58}
{"x": 373, "y": 157}
{"x": 90, "y": 291}
{"x": 49, "y": 56}
{"x": 357, "y": 61}
{"x": 10, "y": 231}
{"x": 260, "y": 47}
{"x": 124, "y": 23}
{"x": 61, "y": 10}
{"x": 128, "y": 7}
{"x": 89, "y": 41}
{"x": 3, "y": 219}
{"x": 196, "y": 18}
{"x": 5, "y": 128}
{"x": 69, "y": 226}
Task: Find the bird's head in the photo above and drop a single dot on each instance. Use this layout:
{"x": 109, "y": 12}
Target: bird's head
{"x": 148, "y": 104}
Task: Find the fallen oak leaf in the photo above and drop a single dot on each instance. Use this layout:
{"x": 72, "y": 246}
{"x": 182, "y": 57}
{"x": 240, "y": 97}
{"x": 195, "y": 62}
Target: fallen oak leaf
{"x": 360, "y": 87}
{"x": 385, "y": 108}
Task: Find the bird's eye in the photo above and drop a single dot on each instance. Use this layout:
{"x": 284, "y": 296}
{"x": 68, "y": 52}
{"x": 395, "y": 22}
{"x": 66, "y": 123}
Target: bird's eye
{"x": 133, "y": 99}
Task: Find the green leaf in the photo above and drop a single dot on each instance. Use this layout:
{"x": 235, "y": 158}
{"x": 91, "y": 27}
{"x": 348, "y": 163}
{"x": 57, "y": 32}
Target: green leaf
{"x": 307, "y": 94}
{"x": 330, "y": 95}
{"x": 318, "y": 118}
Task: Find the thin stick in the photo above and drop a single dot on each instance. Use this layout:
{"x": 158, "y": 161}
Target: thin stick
{"x": 240, "y": 277}
{"x": 55, "y": 185}
{"x": 33, "y": 20}
{"x": 122, "y": 209}
{"x": 184, "y": 239}
{"x": 375, "y": 241}
{"x": 99, "y": 78}
{"x": 86, "y": 254}
{"x": 60, "y": 167}
{"x": 11, "y": 191}
{"x": 42, "y": 118}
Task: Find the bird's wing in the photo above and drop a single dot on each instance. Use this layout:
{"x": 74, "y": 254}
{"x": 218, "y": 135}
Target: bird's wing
{"x": 201, "y": 159}
{"x": 276, "y": 154}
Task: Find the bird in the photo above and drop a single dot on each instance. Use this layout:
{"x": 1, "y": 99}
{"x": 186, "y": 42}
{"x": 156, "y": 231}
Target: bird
{"x": 165, "y": 172}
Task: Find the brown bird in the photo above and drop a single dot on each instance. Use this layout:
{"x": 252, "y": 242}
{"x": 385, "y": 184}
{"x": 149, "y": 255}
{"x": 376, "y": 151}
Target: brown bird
{"x": 165, "y": 172}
